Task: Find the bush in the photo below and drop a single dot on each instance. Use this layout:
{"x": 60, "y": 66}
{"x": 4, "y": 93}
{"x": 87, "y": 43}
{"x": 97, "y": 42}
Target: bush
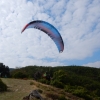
{"x": 57, "y": 84}
{"x": 44, "y": 81}
{"x": 20, "y": 75}
{"x": 31, "y": 83}
{"x": 97, "y": 92}
{"x": 3, "y": 86}
{"x": 93, "y": 86}
{"x": 69, "y": 88}
{"x": 62, "y": 97}
{"x": 78, "y": 91}
{"x": 81, "y": 92}
{"x": 61, "y": 76}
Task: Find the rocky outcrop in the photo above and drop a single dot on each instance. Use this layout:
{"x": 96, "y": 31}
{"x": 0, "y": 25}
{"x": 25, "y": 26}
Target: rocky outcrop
{"x": 32, "y": 95}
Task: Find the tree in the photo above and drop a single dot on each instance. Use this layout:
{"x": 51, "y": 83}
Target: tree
{"x": 61, "y": 76}
{"x": 4, "y": 70}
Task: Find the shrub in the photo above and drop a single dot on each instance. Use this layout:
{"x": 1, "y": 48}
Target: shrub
{"x": 57, "y": 84}
{"x": 20, "y": 75}
{"x": 69, "y": 88}
{"x": 81, "y": 92}
{"x": 3, "y": 86}
{"x": 44, "y": 81}
{"x": 62, "y": 97}
{"x": 97, "y": 92}
{"x": 52, "y": 96}
{"x": 78, "y": 91}
{"x": 31, "y": 83}
{"x": 93, "y": 86}
{"x": 61, "y": 76}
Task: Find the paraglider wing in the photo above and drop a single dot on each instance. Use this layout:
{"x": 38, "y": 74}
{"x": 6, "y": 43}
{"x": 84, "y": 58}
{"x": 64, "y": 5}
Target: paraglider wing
{"x": 48, "y": 29}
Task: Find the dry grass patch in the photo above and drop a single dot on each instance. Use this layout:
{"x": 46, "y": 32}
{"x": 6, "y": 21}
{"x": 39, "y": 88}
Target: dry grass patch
{"x": 17, "y": 89}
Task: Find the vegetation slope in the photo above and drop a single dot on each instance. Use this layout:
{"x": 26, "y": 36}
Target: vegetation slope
{"x": 81, "y": 81}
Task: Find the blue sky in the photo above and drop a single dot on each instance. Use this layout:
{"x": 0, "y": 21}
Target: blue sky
{"x": 78, "y": 22}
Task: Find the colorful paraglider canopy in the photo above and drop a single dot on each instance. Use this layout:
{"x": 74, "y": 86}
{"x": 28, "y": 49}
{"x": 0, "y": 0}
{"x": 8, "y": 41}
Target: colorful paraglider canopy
{"x": 49, "y": 29}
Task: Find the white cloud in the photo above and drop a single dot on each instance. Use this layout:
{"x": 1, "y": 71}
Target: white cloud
{"x": 58, "y": 8}
{"x": 93, "y": 64}
{"x": 77, "y": 21}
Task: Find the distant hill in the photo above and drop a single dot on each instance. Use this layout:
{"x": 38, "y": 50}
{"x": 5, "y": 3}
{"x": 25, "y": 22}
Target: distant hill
{"x": 90, "y": 72}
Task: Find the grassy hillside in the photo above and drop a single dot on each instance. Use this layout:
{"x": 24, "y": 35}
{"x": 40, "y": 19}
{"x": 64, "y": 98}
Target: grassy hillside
{"x": 18, "y": 88}
{"x": 79, "y": 80}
